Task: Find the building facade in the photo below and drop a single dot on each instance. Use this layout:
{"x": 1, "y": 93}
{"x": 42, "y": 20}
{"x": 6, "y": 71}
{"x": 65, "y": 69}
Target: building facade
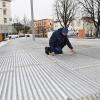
{"x": 5, "y": 16}
{"x": 89, "y": 27}
{"x": 5, "y": 12}
{"x": 57, "y": 25}
{"x": 84, "y": 26}
{"x": 42, "y": 27}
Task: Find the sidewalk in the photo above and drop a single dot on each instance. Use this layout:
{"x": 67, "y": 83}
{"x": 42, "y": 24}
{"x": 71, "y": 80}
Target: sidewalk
{"x": 3, "y": 43}
{"x": 26, "y": 73}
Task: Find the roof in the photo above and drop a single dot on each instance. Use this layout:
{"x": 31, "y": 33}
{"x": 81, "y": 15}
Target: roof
{"x": 88, "y": 19}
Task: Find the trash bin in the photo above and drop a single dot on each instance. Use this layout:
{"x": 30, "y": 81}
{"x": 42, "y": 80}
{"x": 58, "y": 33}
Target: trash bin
{"x": 81, "y": 33}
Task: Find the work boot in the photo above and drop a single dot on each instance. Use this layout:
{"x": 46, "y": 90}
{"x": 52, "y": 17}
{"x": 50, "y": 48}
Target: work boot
{"x": 47, "y": 50}
{"x": 52, "y": 53}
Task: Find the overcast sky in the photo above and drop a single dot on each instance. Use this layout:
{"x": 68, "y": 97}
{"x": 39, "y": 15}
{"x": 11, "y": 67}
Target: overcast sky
{"x": 42, "y": 8}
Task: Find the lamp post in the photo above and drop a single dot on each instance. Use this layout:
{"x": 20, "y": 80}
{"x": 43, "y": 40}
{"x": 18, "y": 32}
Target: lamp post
{"x": 32, "y": 20}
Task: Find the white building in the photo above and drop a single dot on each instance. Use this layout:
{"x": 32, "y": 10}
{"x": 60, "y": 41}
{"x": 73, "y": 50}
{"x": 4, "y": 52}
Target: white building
{"x": 57, "y": 25}
{"x": 84, "y": 24}
{"x": 5, "y": 12}
{"x": 5, "y": 16}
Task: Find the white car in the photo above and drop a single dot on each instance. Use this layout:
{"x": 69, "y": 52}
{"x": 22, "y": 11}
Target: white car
{"x": 13, "y": 36}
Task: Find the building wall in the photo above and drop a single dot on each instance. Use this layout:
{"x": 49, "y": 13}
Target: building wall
{"x": 1, "y": 13}
{"x": 42, "y": 27}
{"x": 6, "y": 28}
{"x": 77, "y": 24}
{"x": 89, "y": 29}
{"x": 57, "y": 25}
{"x": 84, "y": 25}
{"x": 5, "y": 12}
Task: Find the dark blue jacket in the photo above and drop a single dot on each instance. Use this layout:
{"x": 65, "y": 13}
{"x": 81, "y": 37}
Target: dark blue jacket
{"x": 59, "y": 40}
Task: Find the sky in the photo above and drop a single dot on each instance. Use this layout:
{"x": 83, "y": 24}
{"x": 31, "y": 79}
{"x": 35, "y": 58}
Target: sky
{"x": 42, "y": 8}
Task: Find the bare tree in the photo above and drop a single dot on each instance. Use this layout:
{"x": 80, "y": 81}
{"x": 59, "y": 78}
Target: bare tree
{"x": 25, "y": 21}
{"x": 92, "y": 9}
{"x": 65, "y": 11}
{"x": 26, "y": 24}
{"x": 16, "y": 20}
{"x": 17, "y": 25}
{"x": 21, "y": 25}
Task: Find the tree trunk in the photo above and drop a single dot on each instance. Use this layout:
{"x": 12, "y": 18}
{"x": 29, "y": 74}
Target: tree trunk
{"x": 98, "y": 32}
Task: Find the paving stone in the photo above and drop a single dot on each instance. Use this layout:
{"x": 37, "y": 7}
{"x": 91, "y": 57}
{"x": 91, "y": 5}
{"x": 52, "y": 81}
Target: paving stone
{"x": 26, "y": 73}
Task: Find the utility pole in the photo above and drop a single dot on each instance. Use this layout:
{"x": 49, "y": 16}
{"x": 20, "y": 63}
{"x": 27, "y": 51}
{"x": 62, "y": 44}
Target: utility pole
{"x": 32, "y": 20}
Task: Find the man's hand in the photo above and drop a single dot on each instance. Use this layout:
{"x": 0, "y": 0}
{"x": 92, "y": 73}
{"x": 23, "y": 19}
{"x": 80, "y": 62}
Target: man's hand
{"x": 72, "y": 51}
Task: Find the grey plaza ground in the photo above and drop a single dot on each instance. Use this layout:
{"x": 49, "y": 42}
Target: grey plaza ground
{"x": 26, "y": 73}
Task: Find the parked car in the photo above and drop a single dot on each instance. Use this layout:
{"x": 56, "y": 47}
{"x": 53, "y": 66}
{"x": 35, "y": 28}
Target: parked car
{"x": 21, "y": 35}
{"x": 27, "y": 35}
{"x": 13, "y": 36}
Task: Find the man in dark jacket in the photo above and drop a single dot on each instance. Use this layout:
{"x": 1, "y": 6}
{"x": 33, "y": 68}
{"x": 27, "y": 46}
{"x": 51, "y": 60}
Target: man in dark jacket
{"x": 57, "y": 41}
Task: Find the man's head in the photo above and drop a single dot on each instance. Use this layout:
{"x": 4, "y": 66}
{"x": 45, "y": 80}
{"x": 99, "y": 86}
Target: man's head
{"x": 65, "y": 31}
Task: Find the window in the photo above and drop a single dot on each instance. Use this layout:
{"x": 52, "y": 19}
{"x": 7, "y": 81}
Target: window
{"x": 5, "y": 20}
{"x": 4, "y": 4}
{"x": 10, "y": 19}
{"x": 4, "y": 12}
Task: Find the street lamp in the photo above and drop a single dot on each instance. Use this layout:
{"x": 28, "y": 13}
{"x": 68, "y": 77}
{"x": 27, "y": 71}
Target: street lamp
{"x": 32, "y": 20}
